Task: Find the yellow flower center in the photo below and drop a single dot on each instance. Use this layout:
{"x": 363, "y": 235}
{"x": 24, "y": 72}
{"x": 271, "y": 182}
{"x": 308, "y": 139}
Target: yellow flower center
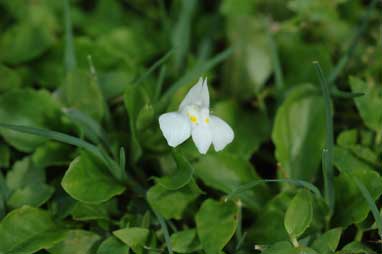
{"x": 207, "y": 120}
{"x": 193, "y": 119}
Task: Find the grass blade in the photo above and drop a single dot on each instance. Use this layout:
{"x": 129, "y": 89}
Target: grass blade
{"x": 155, "y": 66}
{"x": 275, "y": 58}
{"x": 327, "y": 154}
{"x": 91, "y": 128}
{"x": 70, "y": 54}
{"x": 373, "y": 208}
{"x": 67, "y": 139}
{"x": 166, "y": 234}
{"x": 252, "y": 184}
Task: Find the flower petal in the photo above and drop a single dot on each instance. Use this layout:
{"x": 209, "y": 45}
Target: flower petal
{"x": 202, "y": 137}
{"x": 205, "y": 95}
{"x": 175, "y": 128}
{"x": 222, "y": 133}
{"x": 198, "y": 95}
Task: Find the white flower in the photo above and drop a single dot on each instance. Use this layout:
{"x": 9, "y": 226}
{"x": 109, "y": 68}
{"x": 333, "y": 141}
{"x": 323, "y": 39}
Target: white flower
{"x": 193, "y": 119}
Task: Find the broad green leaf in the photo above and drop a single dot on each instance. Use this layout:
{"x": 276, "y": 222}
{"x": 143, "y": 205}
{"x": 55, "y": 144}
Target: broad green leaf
{"x": 347, "y": 138}
{"x": 10, "y": 79}
{"x": 27, "y": 230}
{"x": 134, "y": 237}
{"x": 33, "y": 195}
{"x": 247, "y": 139}
{"x": 88, "y": 181}
{"x": 299, "y": 215}
{"x": 351, "y": 207}
{"x": 356, "y": 248}
{"x": 299, "y": 133}
{"x": 327, "y": 243}
{"x": 76, "y": 242}
{"x": 370, "y": 104}
{"x": 297, "y": 57}
{"x": 226, "y": 172}
{"x": 280, "y": 248}
{"x": 182, "y": 176}
{"x": 159, "y": 199}
{"x": 39, "y": 110}
{"x": 216, "y": 224}
{"x": 269, "y": 228}
{"x": 114, "y": 246}
{"x": 53, "y": 154}
{"x": 185, "y": 241}
{"x": 250, "y": 64}
{"x": 80, "y": 84}
{"x": 26, "y": 181}
{"x": 29, "y": 38}
{"x": 86, "y": 212}
{"x": 115, "y": 82}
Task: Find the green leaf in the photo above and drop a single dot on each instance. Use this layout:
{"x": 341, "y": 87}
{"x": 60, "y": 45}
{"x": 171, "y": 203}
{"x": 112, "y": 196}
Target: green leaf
{"x": 185, "y": 241}
{"x": 113, "y": 245}
{"x": 351, "y": 207}
{"x": 32, "y": 195}
{"x": 80, "y": 84}
{"x": 181, "y": 178}
{"x": 30, "y": 38}
{"x": 299, "y": 215}
{"x": 10, "y": 79}
{"x": 299, "y": 133}
{"x": 87, "y": 180}
{"x": 226, "y": 172}
{"x": 270, "y": 228}
{"x": 76, "y": 242}
{"x": 159, "y": 199}
{"x": 40, "y": 110}
{"x": 280, "y": 248}
{"x": 356, "y": 248}
{"x": 247, "y": 139}
{"x": 327, "y": 243}
{"x": 26, "y": 181}
{"x": 27, "y": 230}
{"x": 86, "y": 212}
{"x": 250, "y": 65}
{"x": 370, "y": 104}
{"x": 216, "y": 224}
{"x": 135, "y": 238}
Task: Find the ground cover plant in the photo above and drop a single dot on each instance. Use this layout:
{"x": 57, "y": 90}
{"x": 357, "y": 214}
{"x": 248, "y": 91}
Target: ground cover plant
{"x": 185, "y": 126}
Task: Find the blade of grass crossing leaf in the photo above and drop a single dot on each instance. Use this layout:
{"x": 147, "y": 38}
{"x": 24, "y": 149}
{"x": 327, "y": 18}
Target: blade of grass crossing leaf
{"x": 327, "y": 154}
{"x": 92, "y": 129}
{"x": 67, "y": 139}
{"x": 166, "y": 234}
{"x": 195, "y": 73}
{"x": 70, "y": 55}
{"x": 252, "y": 184}
{"x": 373, "y": 208}
{"x": 358, "y": 35}
{"x": 155, "y": 66}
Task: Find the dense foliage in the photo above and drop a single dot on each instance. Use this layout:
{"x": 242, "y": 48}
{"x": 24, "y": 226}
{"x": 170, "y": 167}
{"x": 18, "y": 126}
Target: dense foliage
{"x": 84, "y": 167}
